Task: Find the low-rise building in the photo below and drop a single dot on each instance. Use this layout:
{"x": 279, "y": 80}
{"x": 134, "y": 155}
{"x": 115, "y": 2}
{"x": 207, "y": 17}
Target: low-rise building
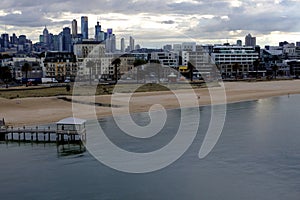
{"x": 201, "y": 61}
{"x": 60, "y": 65}
{"x": 89, "y": 50}
{"x": 166, "y": 58}
{"x": 228, "y": 57}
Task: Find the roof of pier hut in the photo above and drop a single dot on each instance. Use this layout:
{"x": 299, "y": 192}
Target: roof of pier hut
{"x": 72, "y": 121}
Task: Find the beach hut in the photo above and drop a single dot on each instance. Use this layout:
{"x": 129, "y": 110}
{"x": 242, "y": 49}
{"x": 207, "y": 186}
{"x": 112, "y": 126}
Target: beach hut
{"x": 71, "y": 127}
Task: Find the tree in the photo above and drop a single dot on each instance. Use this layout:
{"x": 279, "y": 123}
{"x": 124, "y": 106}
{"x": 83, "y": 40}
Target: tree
{"x": 136, "y": 64}
{"x": 236, "y": 67}
{"x": 90, "y": 64}
{"x": 26, "y": 68}
{"x": 5, "y": 75}
{"x": 139, "y": 62}
{"x": 116, "y": 63}
{"x": 256, "y": 64}
{"x": 275, "y": 69}
{"x": 191, "y": 70}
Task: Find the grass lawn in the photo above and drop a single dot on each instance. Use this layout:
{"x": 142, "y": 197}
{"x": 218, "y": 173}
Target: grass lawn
{"x": 36, "y": 91}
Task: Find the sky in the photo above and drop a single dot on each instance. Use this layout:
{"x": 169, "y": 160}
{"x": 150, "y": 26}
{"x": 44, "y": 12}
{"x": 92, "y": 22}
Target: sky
{"x": 156, "y": 22}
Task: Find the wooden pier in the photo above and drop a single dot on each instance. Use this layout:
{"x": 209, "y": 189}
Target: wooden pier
{"x": 69, "y": 130}
{"x": 45, "y": 135}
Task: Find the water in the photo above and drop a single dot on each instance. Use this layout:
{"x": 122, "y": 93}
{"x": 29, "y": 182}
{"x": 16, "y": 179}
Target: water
{"x": 257, "y": 157}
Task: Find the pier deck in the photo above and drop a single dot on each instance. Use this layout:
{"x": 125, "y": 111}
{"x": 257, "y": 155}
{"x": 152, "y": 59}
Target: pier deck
{"x": 46, "y": 135}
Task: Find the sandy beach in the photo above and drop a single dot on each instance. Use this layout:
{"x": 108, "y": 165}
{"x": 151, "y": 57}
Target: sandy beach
{"x": 33, "y": 111}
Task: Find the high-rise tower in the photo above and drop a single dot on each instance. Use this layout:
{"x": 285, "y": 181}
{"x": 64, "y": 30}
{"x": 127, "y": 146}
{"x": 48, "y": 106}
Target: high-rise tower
{"x": 46, "y": 36}
{"x": 131, "y": 43}
{"x": 250, "y": 41}
{"x": 122, "y": 45}
{"x": 98, "y": 36}
{"x": 84, "y": 27}
{"x": 74, "y": 28}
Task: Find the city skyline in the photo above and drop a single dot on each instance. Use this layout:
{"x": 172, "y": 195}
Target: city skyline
{"x": 154, "y": 23}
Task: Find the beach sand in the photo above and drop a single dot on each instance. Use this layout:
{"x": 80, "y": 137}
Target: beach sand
{"x": 33, "y": 111}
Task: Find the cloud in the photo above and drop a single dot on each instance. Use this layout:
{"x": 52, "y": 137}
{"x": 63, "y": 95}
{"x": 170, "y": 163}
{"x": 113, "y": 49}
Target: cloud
{"x": 194, "y": 18}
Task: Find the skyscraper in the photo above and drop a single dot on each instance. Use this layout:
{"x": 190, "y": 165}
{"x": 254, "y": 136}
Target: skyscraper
{"x": 46, "y": 36}
{"x": 84, "y": 27}
{"x": 66, "y": 40}
{"x": 14, "y": 39}
{"x": 22, "y": 39}
{"x": 110, "y": 42}
{"x": 5, "y": 40}
{"x": 74, "y": 28}
{"x": 131, "y": 43}
{"x": 250, "y": 41}
{"x": 122, "y": 45}
{"x": 98, "y": 32}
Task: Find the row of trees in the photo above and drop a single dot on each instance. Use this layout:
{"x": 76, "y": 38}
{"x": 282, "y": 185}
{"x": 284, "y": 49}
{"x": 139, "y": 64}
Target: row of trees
{"x": 116, "y": 63}
{"x": 236, "y": 67}
{"x": 6, "y": 75}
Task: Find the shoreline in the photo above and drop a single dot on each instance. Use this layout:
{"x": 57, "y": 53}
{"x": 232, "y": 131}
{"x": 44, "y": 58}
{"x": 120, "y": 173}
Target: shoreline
{"x": 48, "y": 110}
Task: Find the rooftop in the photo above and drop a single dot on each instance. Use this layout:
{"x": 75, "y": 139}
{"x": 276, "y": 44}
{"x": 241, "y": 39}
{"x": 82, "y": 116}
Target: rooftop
{"x": 72, "y": 121}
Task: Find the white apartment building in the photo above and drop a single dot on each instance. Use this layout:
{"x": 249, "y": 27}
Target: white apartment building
{"x": 225, "y": 57}
{"x": 166, "y": 58}
{"x": 185, "y": 57}
{"x": 201, "y": 60}
{"x": 89, "y": 51}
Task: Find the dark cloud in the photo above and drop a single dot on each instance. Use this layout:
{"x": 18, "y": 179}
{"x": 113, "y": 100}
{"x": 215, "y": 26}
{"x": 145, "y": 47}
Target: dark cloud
{"x": 168, "y": 22}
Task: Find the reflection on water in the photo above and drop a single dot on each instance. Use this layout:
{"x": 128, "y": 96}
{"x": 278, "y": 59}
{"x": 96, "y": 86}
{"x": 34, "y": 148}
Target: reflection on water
{"x": 70, "y": 149}
{"x": 257, "y": 157}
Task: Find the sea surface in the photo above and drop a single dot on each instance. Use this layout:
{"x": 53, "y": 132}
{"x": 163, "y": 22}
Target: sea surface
{"x": 257, "y": 157}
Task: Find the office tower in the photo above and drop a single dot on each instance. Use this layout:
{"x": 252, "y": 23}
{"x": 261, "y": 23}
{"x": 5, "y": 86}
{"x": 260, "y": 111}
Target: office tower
{"x": 41, "y": 39}
{"x": 50, "y": 41}
{"x": 239, "y": 43}
{"x": 14, "y": 39}
{"x": 250, "y": 41}
{"x": 122, "y": 45}
{"x": 113, "y": 43}
{"x": 98, "y": 32}
{"x": 5, "y": 40}
{"x": 22, "y": 39}
{"x": 131, "y": 43}
{"x": 297, "y": 44}
{"x": 74, "y": 28}
{"x": 66, "y": 40}
{"x": 55, "y": 43}
{"x": 84, "y": 27}
{"x": 110, "y": 42}
{"x": 45, "y": 36}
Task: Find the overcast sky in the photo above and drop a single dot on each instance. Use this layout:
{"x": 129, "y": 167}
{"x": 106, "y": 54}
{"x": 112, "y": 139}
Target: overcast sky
{"x": 156, "y": 22}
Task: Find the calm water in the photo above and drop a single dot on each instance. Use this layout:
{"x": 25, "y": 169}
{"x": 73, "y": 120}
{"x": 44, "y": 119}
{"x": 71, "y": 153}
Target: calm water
{"x": 257, "y": 157}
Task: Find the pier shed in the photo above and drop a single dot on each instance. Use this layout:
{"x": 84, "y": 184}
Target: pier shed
{"x": 71, "y": 127}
